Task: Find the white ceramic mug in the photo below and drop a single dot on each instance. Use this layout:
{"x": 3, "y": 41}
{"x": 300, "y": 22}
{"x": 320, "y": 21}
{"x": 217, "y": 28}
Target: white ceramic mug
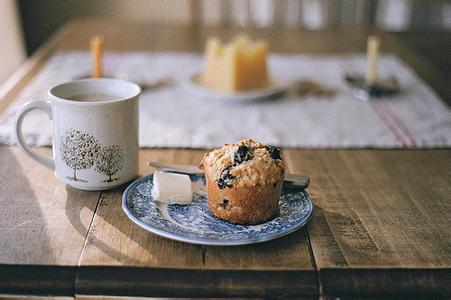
{"x": 95, "y": 143}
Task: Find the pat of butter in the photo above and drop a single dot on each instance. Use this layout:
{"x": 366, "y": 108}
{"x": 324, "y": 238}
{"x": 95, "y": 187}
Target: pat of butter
{"x": 172, "y": 188}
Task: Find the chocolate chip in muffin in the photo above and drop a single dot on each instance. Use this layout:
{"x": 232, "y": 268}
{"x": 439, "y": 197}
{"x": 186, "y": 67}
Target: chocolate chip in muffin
{"x": 224, "y": 203}
{"x": 243, "y": 153}
{"x": 274, "y": 152}
{"x": 225, "y": 179}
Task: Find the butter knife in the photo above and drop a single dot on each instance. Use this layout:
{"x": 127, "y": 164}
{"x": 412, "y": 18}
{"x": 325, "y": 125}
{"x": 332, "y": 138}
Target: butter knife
{"x": 290, "y": 180}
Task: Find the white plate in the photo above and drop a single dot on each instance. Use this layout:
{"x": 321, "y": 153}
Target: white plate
{"x": 195, "y": 87}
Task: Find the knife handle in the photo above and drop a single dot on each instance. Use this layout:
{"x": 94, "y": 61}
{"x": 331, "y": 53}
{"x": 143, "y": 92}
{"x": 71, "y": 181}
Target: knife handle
{"x": 290, "y": 180}
{"x": 296, "y": 181}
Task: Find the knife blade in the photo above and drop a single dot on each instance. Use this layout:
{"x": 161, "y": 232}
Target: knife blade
{"x": 290, "y": 180}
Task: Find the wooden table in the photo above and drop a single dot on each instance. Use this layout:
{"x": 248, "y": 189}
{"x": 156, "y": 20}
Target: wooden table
{"x": 382, "y": 220}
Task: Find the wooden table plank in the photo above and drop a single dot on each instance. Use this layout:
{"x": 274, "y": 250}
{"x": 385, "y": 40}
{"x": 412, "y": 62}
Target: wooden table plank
{"x": 382, "y": 219}
{"x": 279, "y": 268}
{"x": 372, "y": 232}
{"x": 286, "y": 265}
{"x": 121, "y": 258}
{"x": 429, "y": 58}
{"x": 17, "y": 297}
{"x": 43, "y": 225}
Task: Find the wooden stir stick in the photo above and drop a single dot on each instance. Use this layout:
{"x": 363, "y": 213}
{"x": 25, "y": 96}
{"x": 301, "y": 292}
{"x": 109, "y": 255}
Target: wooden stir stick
{"x": 97, "y": 45}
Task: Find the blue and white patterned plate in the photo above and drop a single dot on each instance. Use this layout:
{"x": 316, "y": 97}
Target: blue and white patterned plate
{"x": 195, "y": 224}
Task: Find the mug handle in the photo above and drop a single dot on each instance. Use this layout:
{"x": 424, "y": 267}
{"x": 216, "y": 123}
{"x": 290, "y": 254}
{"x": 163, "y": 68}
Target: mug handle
{"x": 24, "y": 110}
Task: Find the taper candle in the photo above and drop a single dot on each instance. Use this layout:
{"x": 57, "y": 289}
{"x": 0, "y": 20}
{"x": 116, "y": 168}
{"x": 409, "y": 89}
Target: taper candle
{"x": 372, "y": 57}
{"x": 97, "y": 55}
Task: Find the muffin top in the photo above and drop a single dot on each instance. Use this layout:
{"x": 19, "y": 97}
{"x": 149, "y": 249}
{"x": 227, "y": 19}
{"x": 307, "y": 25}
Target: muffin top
{"x": 244, "y": 164}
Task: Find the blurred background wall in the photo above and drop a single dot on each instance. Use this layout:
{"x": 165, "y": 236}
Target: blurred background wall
{"x": 12, "y": 44}
{"x": 38, "y": 20}
{"x": 41, "y": 18}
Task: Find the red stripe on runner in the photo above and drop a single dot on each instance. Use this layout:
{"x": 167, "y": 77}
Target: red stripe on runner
{"x": 375, "y": 105}
{"x": 382, "y": 114}
{"x": 349, "y": 68}
{"x": 398, "y": 122}
{"x": 389, "y": 113}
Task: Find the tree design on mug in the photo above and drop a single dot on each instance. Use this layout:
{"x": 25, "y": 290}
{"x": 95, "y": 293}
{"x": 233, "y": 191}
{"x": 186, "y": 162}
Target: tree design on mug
{"x": 79, "y": 151}
{"x": 109, "y": 161}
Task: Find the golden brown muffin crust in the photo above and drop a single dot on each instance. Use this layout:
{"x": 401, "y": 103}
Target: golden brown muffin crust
{"x": 244, "y": 164}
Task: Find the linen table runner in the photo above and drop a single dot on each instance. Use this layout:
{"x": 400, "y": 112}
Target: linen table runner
{"x": 173, "y": 117}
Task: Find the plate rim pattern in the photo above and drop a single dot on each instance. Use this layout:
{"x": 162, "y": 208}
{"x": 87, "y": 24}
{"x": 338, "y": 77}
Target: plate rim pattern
{"x": 204, "y": 241}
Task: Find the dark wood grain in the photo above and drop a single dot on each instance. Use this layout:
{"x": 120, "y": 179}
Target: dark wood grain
{"x": 34, "y": 297}
{"x": 43, "y": 225}
{"x": 382, "y": 219}
{"x": 381, "y": 224}
{"x": 121, "y": 258}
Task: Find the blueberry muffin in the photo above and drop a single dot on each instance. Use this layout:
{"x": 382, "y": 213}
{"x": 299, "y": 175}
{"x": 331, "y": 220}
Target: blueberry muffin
{"x": 244, "y": 181}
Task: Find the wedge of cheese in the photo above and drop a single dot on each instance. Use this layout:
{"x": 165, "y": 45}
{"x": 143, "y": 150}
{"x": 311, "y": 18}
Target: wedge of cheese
{"x": 237, "y": 66}
{"x": 172, "y": 188}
